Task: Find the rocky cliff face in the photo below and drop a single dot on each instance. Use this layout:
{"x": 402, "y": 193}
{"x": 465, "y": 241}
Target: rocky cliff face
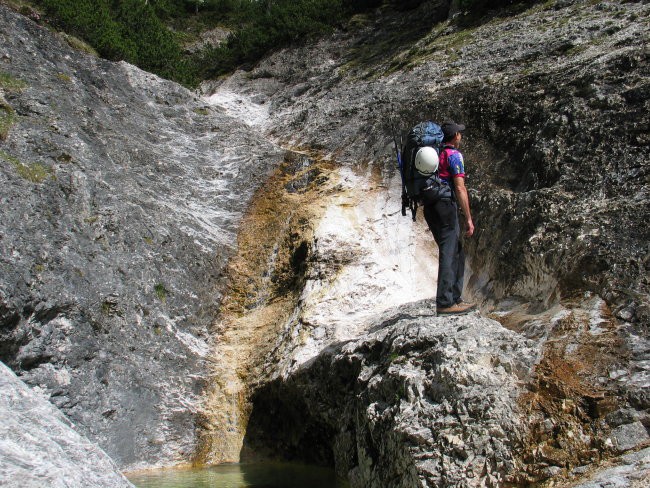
{"x": 417, "y": 401}
{"x": 555, "y": 100}
{"x": 121, "y": 196}
{"x": 126, "y": 194}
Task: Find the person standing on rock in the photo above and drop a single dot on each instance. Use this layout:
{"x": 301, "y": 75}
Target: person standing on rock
{"x": 442, "y": 219}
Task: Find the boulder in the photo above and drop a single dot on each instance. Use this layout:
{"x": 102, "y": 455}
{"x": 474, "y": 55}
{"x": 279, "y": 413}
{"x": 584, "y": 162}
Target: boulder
{"x": 40, "y": 447}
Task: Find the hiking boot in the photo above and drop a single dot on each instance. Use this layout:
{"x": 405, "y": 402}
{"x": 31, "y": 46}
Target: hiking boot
{"x": 456, "y": 309}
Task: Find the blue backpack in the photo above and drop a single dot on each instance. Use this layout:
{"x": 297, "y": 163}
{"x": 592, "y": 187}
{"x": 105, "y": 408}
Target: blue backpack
{"x": 418, "y": 187}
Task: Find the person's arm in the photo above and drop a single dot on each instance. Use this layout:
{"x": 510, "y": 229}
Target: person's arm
{"x": 463, "y": 201}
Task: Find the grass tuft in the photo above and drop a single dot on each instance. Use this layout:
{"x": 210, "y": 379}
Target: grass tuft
{"x": 80, "y": 45}
{"x": 161, "y": 292}
{"x": 34, "y": 172}
{"x": 10, "y": 83}
{"x": 7, "y": 120}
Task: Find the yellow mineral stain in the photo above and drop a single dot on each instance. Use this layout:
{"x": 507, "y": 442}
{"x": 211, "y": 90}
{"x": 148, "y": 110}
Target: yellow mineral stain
{"x": 264, "y": 284}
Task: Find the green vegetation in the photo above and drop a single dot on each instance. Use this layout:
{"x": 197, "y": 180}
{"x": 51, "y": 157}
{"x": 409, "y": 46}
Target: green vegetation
{"x": 110, "y": 307}
{"x": 475, "y": 10}
{"x": 265, "y": 25}
{"x": 131, "y": 30}
{"x": 64, "y": 77}
{"x": 152, "y": 34}
{"x": 161, "y": 292}
{"x": 107, "y": 308}
{"x": 79, "y": 45}
{"x": 34, "y": 172}
{"x": 450, "y": 72}
{"x": 7, "y": 120}
{"x": 7, "y": 115}
{"x": 9, "y": 83}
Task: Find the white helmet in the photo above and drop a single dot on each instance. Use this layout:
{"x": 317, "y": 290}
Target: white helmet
{"x": 426, "y": 160}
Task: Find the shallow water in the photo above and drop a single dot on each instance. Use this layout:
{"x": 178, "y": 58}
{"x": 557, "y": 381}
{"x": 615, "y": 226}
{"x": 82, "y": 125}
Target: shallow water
{"x": 266, "y": 475}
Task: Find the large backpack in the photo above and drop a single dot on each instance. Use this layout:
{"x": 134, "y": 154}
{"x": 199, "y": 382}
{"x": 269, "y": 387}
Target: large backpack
{"x": 413, "y": 182}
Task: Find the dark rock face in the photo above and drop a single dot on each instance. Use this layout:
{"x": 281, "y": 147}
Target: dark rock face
{"x": 112, "y": 252}
{"x": 556, "y": 145}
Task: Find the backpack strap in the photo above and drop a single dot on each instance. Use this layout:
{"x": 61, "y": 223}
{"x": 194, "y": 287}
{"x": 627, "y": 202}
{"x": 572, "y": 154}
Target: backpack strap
{"x": 444, "y": 154}
{"x": 413, "y": 203}
{"x": 414, "y": 208}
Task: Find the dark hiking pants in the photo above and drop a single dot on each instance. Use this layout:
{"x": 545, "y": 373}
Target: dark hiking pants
{"x": 442, "y": 219}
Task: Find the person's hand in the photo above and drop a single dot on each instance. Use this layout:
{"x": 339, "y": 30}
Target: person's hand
{"x": 470, "y": 228}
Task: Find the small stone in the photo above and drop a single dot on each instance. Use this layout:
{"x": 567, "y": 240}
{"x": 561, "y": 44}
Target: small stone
{"x": 617, "y": 374}
{"x": 629, "y": 436}
{"x": 580, "y": 470}
{"x": 626, "y": 314}
{"x": 551, "y": 471}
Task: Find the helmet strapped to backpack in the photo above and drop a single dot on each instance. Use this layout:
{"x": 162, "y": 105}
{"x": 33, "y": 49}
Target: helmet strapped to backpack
{"x": 426, "y": 160}
{"x": 419, "y": 161}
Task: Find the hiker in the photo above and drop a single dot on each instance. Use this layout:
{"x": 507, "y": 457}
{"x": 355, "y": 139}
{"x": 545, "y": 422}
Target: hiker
{"x": 442, "y": 219}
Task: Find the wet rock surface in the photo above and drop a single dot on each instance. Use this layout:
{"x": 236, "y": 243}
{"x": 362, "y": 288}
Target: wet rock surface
{"x": 40, "y": 447}
{"x": 121, "y": 196}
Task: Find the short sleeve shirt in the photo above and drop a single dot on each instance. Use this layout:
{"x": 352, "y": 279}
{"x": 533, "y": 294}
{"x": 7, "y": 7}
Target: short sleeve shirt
{"x": 451, "y": 164}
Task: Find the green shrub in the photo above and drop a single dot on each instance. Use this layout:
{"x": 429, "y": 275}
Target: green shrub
{"x": 161, "y": 292}
{"x": 137, "y": 31}
{"x": 266, "y": 25}
{"x": 129, "y": 30}
{"x": 93, "y": 21}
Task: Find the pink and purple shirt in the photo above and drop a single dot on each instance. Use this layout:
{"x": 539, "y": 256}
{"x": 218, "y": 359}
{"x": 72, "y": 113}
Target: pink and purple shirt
{"x": 451, "y": 164}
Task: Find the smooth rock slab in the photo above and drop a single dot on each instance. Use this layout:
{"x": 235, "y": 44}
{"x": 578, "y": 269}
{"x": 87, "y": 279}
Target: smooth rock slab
{"x": 112, "y": 266}
{"x": 40, "y": 448}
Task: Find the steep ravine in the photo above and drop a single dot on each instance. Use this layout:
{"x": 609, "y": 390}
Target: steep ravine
{"x": 264, "y": 278}
{"x": 310, "y": 255}
{"x": 198, "y": 279}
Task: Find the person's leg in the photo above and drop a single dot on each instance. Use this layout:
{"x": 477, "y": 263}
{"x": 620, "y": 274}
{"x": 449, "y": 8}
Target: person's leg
{"x": 460, "y": 270}
{"x": 443, "y": 222}
{"x": 433, "y": 221}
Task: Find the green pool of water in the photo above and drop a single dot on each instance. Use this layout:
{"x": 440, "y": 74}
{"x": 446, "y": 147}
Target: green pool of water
{"x": 266, "y": 475}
